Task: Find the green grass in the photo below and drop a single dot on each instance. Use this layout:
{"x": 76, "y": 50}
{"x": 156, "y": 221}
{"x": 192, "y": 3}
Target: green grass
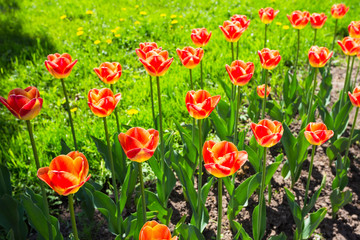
{"x": 30, "y": 30}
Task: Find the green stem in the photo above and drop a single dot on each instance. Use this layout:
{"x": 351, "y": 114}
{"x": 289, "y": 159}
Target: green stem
{"x": 201, "y": 75}
{"x": 232, "y": 86}
{"x": 309, "y": 176}
{"x": 266, "y": 27}
{"x": 350, "y": 74}
{"x": 351, "y": 133}
{"x": 191, "y": 80}
{"x": 200, "y": 175}
{"x": 345, "y": 84}
{"x": 315, "y": 31}
{"x": 333, "y": 44}
{"x": 152, "y": 102}
{"x": 312, "y": 96}
{"x": 115, "y": 110}
{"x": 265, "y": 96}
{"x": 262, "y": 189}
{"x": 37, "y": 163}
{"x": 72, "y": 215}
{"x": 142, "y": 193}
{"x": 357, "y": 74}
{"x": 237, "y": 116}
{"x": 69, "y": 113}
{"x": 298, "y": 51}
{"x": 237, "y": 49}
{"x": 218, "y": 236}
{"x": 112, "y": 168}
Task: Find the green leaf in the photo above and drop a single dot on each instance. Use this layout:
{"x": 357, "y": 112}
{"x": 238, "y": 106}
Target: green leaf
{"x": 220, "y": 127}
{"x": 339, "y": 200}
{"x": 189, "y": 232}
{"x": 313, "y": 199}
{"x": 65, "y": 149}
{"x": 281, "y": 236}
{"x": 258, "y": 233}
{"x": 336, "y": 148}
{"x": 154, "y": 204}
{"x": 312, "y": 222}
{"x": 107, "y": 208}
{"x": 253, "y": 158}
{"x": 295, "y": 209}
{"x": 128, "y": 187}
{"x": 5, "y": 183}
{"x": 241, "y": 233}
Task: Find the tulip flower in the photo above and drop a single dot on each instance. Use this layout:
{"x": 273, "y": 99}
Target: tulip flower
{"x": 200, "y": 103}
{"x": 25, "y": 104}
{"x": 317, "y": 133}
{"x": 240, "y": 72}
{"x": 156, "y": 62}
{"x": 299, "y": 19}
{"x": 269, "y": 59}
{"x": 354, "y": 29}
{"x": 261, "y": 91}
{"x": 190, "y": 57}
{"x": 338, "y": 11}
{"x": 267, "y": 15}
{"x": 145, "y": 48}
{"x": 267, "y": 133}
{"x": 200, "y": 37}
{"x": 232, "y": 30}
{"x": 350, "y": 46}
{"x": 155, "y": 231}
{"x": 317, "y": 20}
{"x": 244, "y": 23}
{"x": 108, "y": 72}
{"x": 355, "y": 97}
{"x": 60, "y": 65}
{"x": 102, "y": 102}
{"x": 318, "y": 56}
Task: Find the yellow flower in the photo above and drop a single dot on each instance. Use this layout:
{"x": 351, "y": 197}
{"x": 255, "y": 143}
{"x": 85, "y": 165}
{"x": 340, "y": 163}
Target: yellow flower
{"x": 74, "y": 109}
{"x": 180, "y": 16}
{"x": 79, "y": 33}
{"x": 63, "y": 17}
{"x": 286, "y": 27}
{"x": 89, "y": 12}
{"x": 173, "y": 16}
{"x": 80, "y": 28}
{"x": 132, "y": 111}
{"x": 136, "y": 6}
{"x": 124, "y": 9}
{"x": 163, "y": 15}
{"x": 174, "y": 21}
{"x": 121, "y": 19}
{"x": 115, "y": 29}
{"x": 278, "y": 23}
{"x": 137, "y": 23}
{"x": 143, "y": 13}
{"x": 182, "y": 27}
{"x": 117, "y": 35}
{"x": 97, "y": 42}
{"x": 109, "y": 41}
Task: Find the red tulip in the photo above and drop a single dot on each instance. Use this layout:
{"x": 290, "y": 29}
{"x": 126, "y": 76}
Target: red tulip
{"x": 60, "y": 66}
{"x": 267, "y": 15}
{"x": 102, "y": 102}
{"x": 66, "y": 173}
{"x": 240, "y": 72}
{"x": 350, "y": 46}
{"x": 317, "y": 133}
{"x": 242, "y": 19}
{"x": 109, "y": 73}
{"x": 200, "y": 104}
{"x": 190, "y": 57}
{"x": 354, "y": 29}
{"x": 223, "y": 159}
{"x": 145, "y": 48}
{"x": 25, "y": 104}
{"x": 232, "y": 30}
{"x": 200, "y": 37}
{"x": 155, "y": 231}
{"x": 269, "y": 59}
{"x": 139, "y": 144}
{"x": 261, "y": 91}
{"x": 318, "y": 56}
{"x": 267, "y": 133}
{"x": 157, "y": 62}
{"x": 355, "y": 97}
{"x": 299, "y": 19}
{"x": 318, "y": 20}
{"x": 338, "y": 11}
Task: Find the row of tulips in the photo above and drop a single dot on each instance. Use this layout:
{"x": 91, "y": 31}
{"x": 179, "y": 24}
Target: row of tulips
{"x": 67, "y": 173}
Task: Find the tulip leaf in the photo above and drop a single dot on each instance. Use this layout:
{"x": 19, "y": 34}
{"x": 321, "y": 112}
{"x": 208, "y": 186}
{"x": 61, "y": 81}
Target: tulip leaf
{"x": 107, "y": 208}
{"x": 189, "y": 232}
{"x": 253, "y": 157}
{"x": 205, "y": 189}
{"x": 341, "y": 178}
{"x": 258, "y": 233}
{"x": 339, "y": 199}
{"x": 219, "y": 125}
{"x": 295, "y": 208}
{"x": 307, "y": 208}
{"x": 128, "y": 187}
{"x": 225, "y": 86}
{"x": 65, "y": 149}
{"x": 338, "y": 147}
{"x": 120, "y": 159}
{"x": 275, "y": 111}
{"x": 154, "y": 204}
{"x": 5, "y": 183}
{"x": 281, "y": 236}
{"x": 312, "y": 222}
{"x": 86, "y": 200}
{"x": 241, "y": 233}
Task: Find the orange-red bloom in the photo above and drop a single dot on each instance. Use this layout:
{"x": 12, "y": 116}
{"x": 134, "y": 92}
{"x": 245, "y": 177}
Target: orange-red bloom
{"x": 108, "y": 72}
{"x": 103, "y": 102}
{"x": 354, "y": 29}
{"x": 60, "y": 65}
{"x": 267, "y": 133}
{"x": 240, "y": 72}
{"x": 156, "y": 62}
{"x": 349, "y": 46}
{"x": 317, "y": 133}
{"x": 269, "y": 59}
{"x": 223, "y": 159}
{"x": 267, "y": 15}
{"x": 200, "y": 103}
{"x": 242, "y": 19}
{"x": 232, "y": 30}
{"x": 338, "y": 11}
{"x": 139, "y": 144}
{"x": 25, "y": 104}
{"x": 261, "y": 90}
{"x": 318, "y": 56}
{"x": 66, "y": 173}
{"x": 190, "y": 57}
{"x": 200, "y": 37}
{"x": 355, "y": 97}
{"x": 155, "y": 231}
{"x": 318, "y": 20}
{"x": 145, "y": 48}
{"x": 299, "y": 19}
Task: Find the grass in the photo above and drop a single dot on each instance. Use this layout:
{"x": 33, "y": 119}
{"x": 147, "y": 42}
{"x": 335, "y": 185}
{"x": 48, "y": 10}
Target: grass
{"x": 31, "y": 30}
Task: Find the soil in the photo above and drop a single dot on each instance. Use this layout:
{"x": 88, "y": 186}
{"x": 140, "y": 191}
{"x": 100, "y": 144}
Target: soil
{"x": 279, "y": 219}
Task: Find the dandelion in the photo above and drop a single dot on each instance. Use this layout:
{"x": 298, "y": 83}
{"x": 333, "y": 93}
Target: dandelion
{"x": 174, "y": 21}
{"x": 137, "y": 23}
{"x": 278, "y": 23}
{"x": 163, "y": 15}
{"x": 180, "y": 16}
{"x": 79, "y": 33}
{"x": 89, "y": 12}
{"x": 63, "y": 17}
{"x": 74, "y": 109}
{"x": 143, "y": 13}
{"x": 121, "y": 19}
{"x": 96, "y": 42}
{"x": 182, "y": 27}
{"x": 109, "y": 41}
{"x": 286, "y": 27}
{"x": 124, "y": 9}
{"x": 132, "y": 112}
{"x": 117, "y": 35}
{"x": 80, "y": 28}
{"x": 115, "y": 29}
{"x": 173, "y": 16}
{"x": 136, "y": 6}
